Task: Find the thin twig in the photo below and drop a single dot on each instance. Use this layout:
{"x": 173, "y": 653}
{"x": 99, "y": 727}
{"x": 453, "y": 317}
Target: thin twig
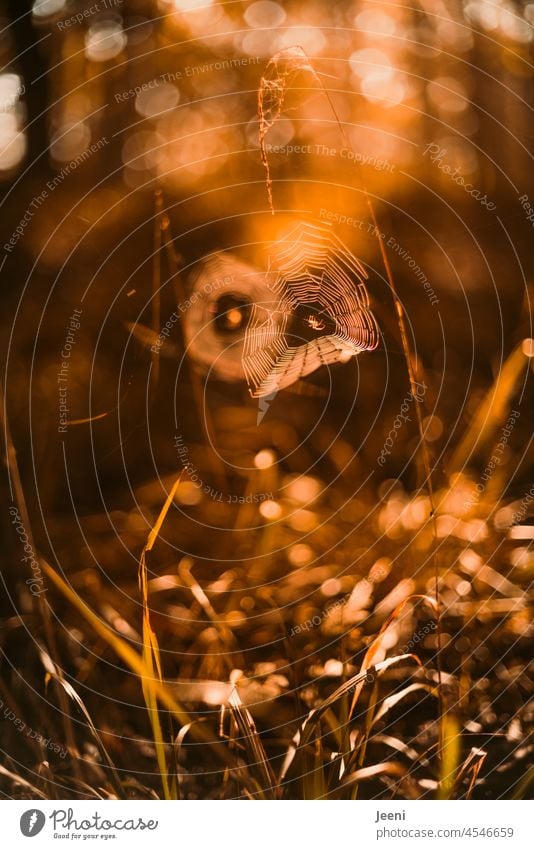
{"x": 156, "y": 281}
{"x": 176, "y": 263}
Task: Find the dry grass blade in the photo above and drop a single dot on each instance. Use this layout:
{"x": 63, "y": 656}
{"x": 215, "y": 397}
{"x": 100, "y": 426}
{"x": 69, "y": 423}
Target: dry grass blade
{"x": 390, "y": 701}
{"x": 472, "y": 766}
{"x": 92, "y": 792}
{"x": 307, "y": 730}
{"x": 184, "y": 571}
{"x": 133, "y": 660}
{"x": 22, "y": 782}
{"x": 377, "y": 644}
{"x": 400, "y": 746}
{"x": 250, "y": 738}
{"x": 230, "y": 767}
{"x": 72, "y": 694}
{"x": 178, "y": 741}
{"x": 314, "y": 784}
{"x": 147, "y": 792}
{"x": 368, "y": 772}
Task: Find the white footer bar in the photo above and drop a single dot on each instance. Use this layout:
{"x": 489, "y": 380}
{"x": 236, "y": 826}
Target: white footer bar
{"x": 268, "y": 825}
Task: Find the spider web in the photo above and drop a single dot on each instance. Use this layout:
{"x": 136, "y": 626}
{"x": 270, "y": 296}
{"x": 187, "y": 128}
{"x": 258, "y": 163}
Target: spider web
{"x": 310, "y": 265}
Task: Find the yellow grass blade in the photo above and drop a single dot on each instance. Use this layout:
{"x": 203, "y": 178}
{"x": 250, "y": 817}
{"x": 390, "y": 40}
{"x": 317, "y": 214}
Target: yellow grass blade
{"x": 154, "y": 533}
{"x": 450, "y": 756}
{"x": 492, "y": 412}
{"x": 151, "y": 653}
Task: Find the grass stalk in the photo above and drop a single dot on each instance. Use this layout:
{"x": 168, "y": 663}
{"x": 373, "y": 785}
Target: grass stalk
{"x": 40, "y": 603}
